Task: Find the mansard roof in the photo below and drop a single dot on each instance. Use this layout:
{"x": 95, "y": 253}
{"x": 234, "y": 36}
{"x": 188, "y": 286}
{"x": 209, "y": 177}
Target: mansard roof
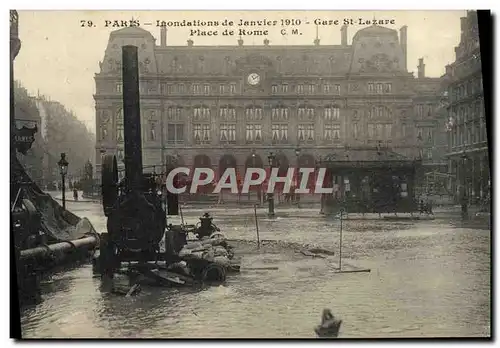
{"x": 375, "y": 31}
{"x": 131, "y": 32}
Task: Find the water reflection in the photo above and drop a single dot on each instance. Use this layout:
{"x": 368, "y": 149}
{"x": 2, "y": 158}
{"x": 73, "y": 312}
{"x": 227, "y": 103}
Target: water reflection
{"x": 428, "y": 279}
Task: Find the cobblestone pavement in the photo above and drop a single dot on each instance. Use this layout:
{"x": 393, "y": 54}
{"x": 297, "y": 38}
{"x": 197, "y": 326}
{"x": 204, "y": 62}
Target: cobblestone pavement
{"x": 427, "y": 279}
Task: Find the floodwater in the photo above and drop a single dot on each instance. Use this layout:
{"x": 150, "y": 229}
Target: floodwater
{"x": 427, "y": 279}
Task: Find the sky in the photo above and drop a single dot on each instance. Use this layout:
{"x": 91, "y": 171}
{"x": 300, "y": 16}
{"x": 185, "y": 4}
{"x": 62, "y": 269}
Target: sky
{"x": 59, "y": 57}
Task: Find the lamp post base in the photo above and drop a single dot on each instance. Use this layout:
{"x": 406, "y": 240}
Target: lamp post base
{"x": 465, "y": 211}
{"x": 270, "y": 212}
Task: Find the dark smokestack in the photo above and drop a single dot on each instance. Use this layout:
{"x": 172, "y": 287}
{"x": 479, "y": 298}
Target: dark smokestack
{"x": 163, "y": 36}
{"x": 421, "y": 68}
{"x": 132, "y": 118}
{"x": 343, "y": 35}
{"x": 403, "y": 34}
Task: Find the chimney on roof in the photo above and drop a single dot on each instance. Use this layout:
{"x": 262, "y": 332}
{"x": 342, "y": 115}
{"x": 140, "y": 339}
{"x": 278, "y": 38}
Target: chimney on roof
{"x": 463, "y": 23}
{"x": 421, "y": 68}
{"x": 448, "y": 70}
{"x": 316, "y": 40}
{"x": 343, "y": 35}
{"x": 403, "y": 34}
{"x": 190, "y": 43}
{"x": 163, "y": 36}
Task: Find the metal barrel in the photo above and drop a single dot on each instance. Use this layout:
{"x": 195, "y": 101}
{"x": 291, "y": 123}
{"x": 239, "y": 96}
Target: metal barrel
{"x": 46, "y": 251}
{"x": 132, "y": 118}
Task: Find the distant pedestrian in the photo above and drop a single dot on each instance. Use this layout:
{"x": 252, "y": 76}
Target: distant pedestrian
{"x": 75, "y": 193}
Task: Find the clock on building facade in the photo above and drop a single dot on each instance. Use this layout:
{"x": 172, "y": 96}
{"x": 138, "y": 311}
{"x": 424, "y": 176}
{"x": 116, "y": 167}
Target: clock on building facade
{"x": 253, "y": 79}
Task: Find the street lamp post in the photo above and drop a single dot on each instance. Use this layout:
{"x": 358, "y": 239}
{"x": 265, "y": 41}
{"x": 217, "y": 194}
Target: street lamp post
{"x": 63, "y": 169}
{"x": 253, "y": 166}
{"x": 322, "y": 198}
{"x": 465, "y": 209}
{"x": 298, "y": 176}
{"x": 270, "y": 195}
{"x": 420, "y": 159}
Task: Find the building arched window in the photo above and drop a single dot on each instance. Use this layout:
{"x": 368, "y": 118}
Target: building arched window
{"x": 379, "y": 111}
{"x": 201, "y": 112}
{"x": 332, "y": 113}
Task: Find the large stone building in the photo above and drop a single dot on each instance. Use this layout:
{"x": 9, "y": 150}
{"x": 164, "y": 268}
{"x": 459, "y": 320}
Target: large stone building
{"x": 468, "y": 143}
{"x": 228, "y": 106}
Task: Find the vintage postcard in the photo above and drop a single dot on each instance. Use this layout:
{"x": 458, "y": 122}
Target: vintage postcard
{"x": 251, "y": 174}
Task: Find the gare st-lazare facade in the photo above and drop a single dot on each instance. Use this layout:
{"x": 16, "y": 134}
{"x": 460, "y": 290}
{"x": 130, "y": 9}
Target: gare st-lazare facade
{"x": 230, "y": 106}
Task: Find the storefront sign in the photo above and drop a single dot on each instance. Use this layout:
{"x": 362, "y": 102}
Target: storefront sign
{"x": 24, "y": 138}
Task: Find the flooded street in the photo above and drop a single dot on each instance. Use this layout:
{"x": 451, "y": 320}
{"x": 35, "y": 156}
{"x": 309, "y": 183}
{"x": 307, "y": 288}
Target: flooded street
{"x": 427, "y": 279}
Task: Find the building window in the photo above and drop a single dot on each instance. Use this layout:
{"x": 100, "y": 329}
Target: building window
{"x": 120, "y": 155}
{"x": 201, "y": 133}
{"x": 355, "y": 130}
{"x": 119, "y": 133}
{"x": 285, "y": 88}
{"x": 181, "y": 88}
{"x": 371, "y": 131}
{"x": 170, "y": 89}
{"x": 206, "y": 89}
{"x": 201, "y": 113}
{"x": 221, "y": 89}
{"x": 332, "y": 113}
{"x": 429, "y": 154}
{"x": 253, "y": 133}
{"x": 279, "y": 113}
{"x": 152, "y": 131}
{"x": 370, "y": 88}
{"x": 419, "y": 134}
{"x": 305, "y": 132}
{"x": 430, "y": 138}
{"x": 379, "y": 131}
{"x": 253, "y": 114}
{"x": 305, "y": 113}
{"x": 118, "y": 87}
{"x": 274, "y": 89}
{"x": 387, "y": 131}
{"x": 227, "y": 113}
{"x": 196, "y": 88}
{"x": 387, "y": 88}
{"x": 232, "y": 88}
{"x": 379, "y": 112}
{"x": 300, "y": 89}
{"x": 279, "y": 133}
{"x": 228, "y": 133}
{"x": 379, "y": 88}
{"x": 336, "y": 89}
{"x": 174, "y": 113}
{"x": 119, "y": 116}
{"x": 175, "y": 133}
{"x": 311, "y": 89}
{"x": 326, "y": 88}
{"x": 332, "y": 133}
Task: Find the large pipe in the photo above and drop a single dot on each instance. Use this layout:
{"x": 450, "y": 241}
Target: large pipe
{"x": 62, "y": 247}
{"x": 132, "y": 118}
